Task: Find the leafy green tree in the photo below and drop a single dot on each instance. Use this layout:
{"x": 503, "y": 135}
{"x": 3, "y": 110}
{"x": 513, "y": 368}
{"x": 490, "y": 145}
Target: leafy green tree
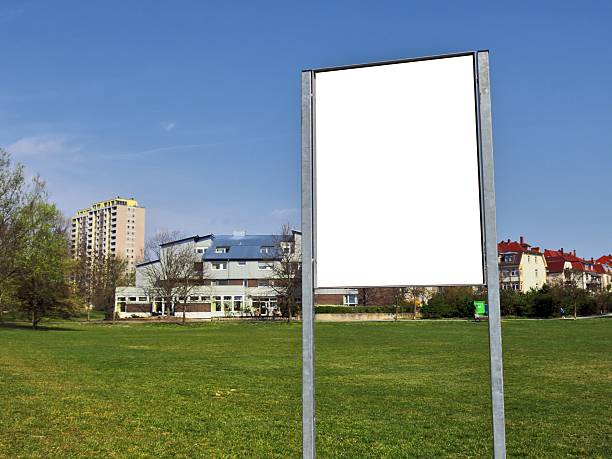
{"x": 544, "y": 304}
{"x": 451, "y": 302}
{"x": 515, "y": 303}
{"x": 603, "y": 300}
{"x": 45, "y": 266}
{"x": 17, "y": 197}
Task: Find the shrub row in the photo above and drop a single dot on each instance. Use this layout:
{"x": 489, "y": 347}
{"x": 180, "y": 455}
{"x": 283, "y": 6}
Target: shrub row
{"x": 361, "y": 309}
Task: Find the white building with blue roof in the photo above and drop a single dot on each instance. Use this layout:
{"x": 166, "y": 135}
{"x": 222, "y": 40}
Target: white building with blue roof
{"x": 237, "y": 279}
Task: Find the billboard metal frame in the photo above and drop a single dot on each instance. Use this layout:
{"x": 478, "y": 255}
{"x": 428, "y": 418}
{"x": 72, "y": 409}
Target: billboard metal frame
{"x": 488, "y": 231}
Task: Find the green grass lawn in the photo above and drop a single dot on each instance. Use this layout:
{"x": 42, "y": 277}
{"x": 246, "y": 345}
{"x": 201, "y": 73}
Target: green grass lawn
{"x": 409, "y": 389}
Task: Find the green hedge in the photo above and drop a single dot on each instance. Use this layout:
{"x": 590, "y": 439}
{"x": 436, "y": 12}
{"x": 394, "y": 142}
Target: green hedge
{"x": 361, "y": 309}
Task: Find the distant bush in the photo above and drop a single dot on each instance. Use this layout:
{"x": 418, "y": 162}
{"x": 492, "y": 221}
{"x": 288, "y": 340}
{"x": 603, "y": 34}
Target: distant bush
{"x": 543, "y": 303}
{"x": 548, "y": 301}
{"x": 451, "y": 302}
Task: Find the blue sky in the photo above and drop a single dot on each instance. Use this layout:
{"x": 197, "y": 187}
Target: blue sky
{"x": 193, "y": 107}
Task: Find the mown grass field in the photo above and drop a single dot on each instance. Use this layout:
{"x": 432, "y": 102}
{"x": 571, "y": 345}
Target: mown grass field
{"x": 409, "y": 389}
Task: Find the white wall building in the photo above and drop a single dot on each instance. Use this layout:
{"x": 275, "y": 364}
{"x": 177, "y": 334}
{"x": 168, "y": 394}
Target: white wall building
{"x": 238, "y": 280}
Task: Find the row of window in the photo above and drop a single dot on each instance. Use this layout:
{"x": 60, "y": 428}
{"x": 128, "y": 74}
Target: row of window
{"x": 235, "y": 302}
{"x": 245, "y": 282}
{"x": 222, "y": 265}
{"x": 511, "y": 286}
{"x": 514, "y": 272}
{"x": 263, "y": 249}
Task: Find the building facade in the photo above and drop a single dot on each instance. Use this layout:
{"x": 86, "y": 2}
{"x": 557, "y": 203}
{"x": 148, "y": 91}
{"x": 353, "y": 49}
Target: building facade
{"x": 115, "y": 227}
{"x": 521, "y": 266}
{"x": 234, "y": 276}
{"x": 567, "y": 268}
{"x": 604, "y": 266}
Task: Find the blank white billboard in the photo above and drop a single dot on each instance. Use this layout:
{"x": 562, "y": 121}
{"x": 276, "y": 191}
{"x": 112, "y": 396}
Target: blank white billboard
{"x": 396, "y": 175}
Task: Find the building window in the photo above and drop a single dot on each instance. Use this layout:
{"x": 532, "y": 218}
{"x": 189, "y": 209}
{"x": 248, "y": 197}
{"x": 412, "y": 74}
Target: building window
{"x": 132, "y": 298}
{"x": 242, "y": 263}
{"x": 219, "y": 265}
{"x": 216, "y": 304}
{"x": 263, "y": 283}
{"x": 142, "y": 298}
{"x": 194, "y": 298}
{"x": 199, "y": 250}
{"x": 350, "y": 300}
{"x": 245, "y": 283}
{"x": 238, "y": 303}
{"x": 227, "y": 303}
{"x": 265, "y": 266}
{"x": 221, "y": 249}
{"x": 266, "y": 249}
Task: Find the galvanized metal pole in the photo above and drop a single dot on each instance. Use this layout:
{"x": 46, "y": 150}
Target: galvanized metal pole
{"x": 488, "y": 187}
{"x": 308, "y": 393}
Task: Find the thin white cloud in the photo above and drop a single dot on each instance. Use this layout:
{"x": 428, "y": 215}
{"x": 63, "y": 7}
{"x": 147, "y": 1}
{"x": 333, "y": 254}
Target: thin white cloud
{"x": 169, "y": 125}
{"x": 283, "y": 213}
{"x": 41, "y": 145}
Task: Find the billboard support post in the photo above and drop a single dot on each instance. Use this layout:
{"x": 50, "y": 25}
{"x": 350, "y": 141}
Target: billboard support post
{"x": 486, "y": 225}
{"x": 492, "y": 268}
{"x": 308, "y": 399}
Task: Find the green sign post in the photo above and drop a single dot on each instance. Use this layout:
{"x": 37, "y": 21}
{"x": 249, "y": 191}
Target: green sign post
{"x": 480, "y": 309}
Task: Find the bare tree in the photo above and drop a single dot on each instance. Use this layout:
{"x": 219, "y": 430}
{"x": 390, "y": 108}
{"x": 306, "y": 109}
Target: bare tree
{"x": 415, "y": 296}
{"x": 572, "y": 282}
{"x": 286, "y": 263}
{"x": 95, "y": 279}
{"x": 108, "y": 273}
{"x": 175, "y": 269}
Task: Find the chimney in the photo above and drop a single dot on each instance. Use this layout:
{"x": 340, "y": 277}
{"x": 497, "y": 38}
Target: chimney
{"x": 574, "y": 252}
{"x": 522, "y": 239}
{"x": 561, "y": 250}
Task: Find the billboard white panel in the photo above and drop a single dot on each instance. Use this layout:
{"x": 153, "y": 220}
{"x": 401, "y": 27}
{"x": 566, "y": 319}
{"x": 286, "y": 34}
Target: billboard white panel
{"x": 396, "y": 176}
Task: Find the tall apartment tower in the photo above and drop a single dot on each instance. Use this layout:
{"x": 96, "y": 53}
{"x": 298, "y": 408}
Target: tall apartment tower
{"x": 115, "y": 227}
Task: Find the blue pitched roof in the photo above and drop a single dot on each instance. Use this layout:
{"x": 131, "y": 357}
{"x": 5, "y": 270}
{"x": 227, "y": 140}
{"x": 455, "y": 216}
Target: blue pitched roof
{"x": 195, "y": 238}
{"x": 242, "y": 247}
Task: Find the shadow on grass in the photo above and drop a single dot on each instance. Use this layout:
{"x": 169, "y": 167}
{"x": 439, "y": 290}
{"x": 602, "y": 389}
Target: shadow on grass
{"x": 25, "y": 326}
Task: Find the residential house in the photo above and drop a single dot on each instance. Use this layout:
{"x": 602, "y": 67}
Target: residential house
{"x": 566, "y": 267}
{"x": 521, "y": 266}
{"x": 604, "y": 266}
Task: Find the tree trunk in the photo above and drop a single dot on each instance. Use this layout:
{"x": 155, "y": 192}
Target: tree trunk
{"x": 34, "y": 320}
{"x": 184, "y": 308}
